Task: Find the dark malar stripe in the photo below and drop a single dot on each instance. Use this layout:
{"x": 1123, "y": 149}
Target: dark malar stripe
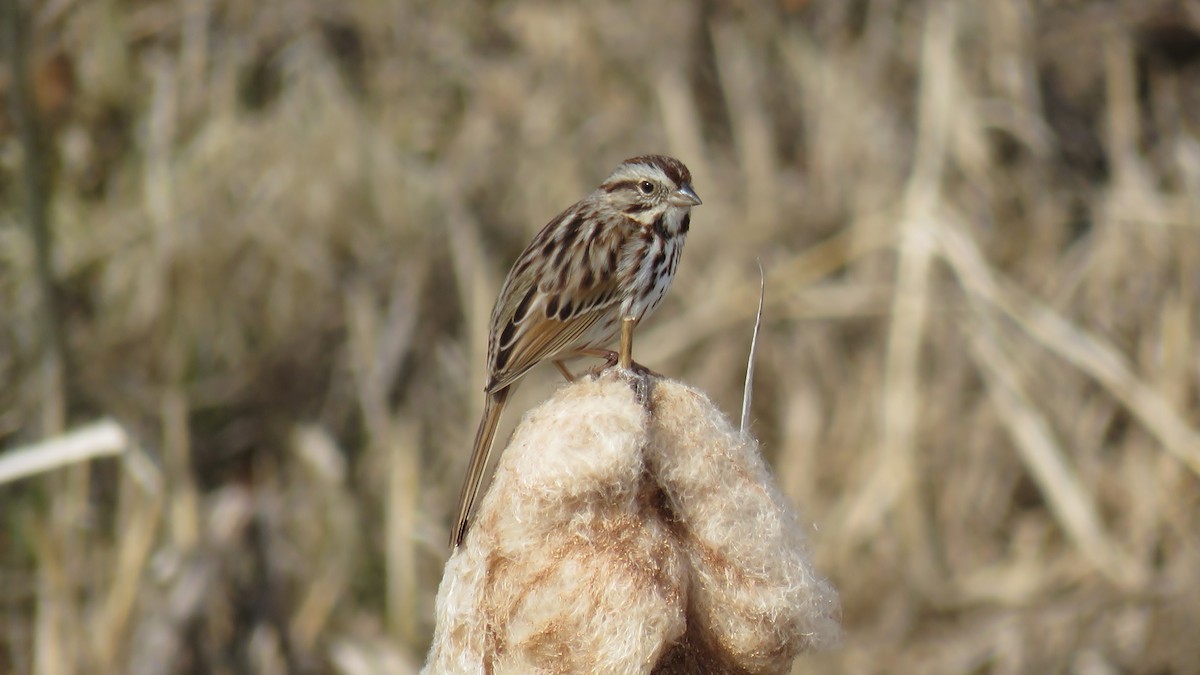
{"x": 686, "y": 223}
{"x": 660, "y": 227}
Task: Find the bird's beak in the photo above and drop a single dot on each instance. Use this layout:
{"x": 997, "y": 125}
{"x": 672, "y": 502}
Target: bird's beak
{"x": 685, "y": 196}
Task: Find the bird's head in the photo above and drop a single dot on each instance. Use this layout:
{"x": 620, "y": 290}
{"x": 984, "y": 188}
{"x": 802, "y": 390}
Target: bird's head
{"x": 654, "y": 190}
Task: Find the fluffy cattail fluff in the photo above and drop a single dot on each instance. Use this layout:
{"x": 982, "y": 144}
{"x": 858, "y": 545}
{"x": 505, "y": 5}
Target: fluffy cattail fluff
{"x": 616, "y": 540}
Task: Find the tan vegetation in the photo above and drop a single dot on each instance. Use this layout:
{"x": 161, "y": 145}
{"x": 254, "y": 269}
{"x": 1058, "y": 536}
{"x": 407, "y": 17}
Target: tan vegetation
{"x": 279, "y": 227}
{"x": 627, "y": 538}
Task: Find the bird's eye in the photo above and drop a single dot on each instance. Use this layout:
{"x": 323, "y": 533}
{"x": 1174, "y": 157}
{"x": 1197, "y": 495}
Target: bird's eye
{"x": 646, "y": 187}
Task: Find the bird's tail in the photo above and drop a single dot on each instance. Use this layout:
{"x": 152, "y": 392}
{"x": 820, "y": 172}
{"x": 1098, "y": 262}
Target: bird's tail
{"x": 492, "y": 407}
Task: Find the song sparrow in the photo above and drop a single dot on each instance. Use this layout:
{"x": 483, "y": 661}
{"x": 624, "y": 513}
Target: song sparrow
{"x": 594, "y": 271}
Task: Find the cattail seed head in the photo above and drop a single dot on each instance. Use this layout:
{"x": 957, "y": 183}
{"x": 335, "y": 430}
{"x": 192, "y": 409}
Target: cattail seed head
{"x": 623, "y": 538}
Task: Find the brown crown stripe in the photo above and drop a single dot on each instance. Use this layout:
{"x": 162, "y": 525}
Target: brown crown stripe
{"x": 674, "y": 168}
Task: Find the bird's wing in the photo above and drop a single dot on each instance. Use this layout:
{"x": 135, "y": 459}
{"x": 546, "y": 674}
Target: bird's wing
{"x": 543, "y": 321}
{"x": 540, "y": 337}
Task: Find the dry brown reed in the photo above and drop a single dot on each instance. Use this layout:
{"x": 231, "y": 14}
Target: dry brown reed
{"x": 278, "y": 228}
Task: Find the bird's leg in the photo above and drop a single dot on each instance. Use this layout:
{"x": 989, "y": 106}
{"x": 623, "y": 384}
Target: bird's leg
{"x": 625, "y": 351}
{"x": 639, "y": 377}
{"x": 562, "y": 368}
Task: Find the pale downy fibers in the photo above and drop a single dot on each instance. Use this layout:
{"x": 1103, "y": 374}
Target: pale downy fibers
{"x": 620, "y": 540}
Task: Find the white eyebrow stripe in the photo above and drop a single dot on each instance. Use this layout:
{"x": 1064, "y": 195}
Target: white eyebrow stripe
{"x": 640, "y": 172}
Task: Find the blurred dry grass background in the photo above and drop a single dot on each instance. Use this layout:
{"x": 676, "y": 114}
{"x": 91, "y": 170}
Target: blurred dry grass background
{"x": 278, "y": 228}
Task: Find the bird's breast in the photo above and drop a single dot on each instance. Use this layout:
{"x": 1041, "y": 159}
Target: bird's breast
{"x": 655, "y": 266}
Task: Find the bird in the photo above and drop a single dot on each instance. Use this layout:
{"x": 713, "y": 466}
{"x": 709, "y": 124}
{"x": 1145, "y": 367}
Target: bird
{"x": 587, "y": 278}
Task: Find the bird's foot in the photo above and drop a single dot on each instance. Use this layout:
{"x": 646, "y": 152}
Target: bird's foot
{"x": 612, "y": 359}
{"x": 639, "y": 377}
